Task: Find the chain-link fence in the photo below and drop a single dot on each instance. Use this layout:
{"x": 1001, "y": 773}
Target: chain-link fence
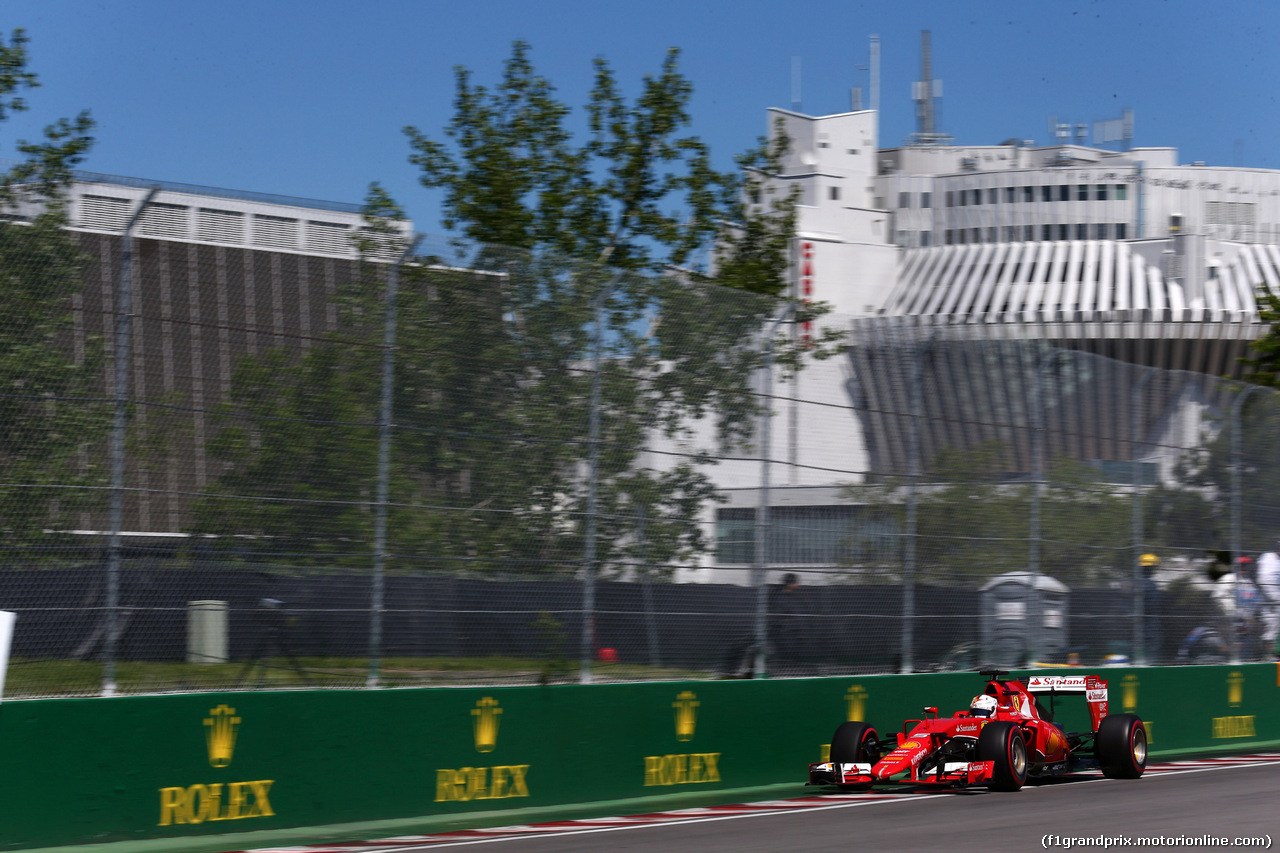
{"x": 441, "y": 463}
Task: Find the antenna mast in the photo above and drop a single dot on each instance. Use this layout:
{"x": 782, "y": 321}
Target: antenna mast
{"x": 875, "y": 72}
{"x": 925, "y": 93}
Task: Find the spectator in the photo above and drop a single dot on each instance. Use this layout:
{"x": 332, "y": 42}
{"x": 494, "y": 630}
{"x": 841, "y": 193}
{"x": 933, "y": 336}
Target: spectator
{"x": 784, "y": 628}
{"x": 1268, "y": 582}
{"x": 1152, "y": 610}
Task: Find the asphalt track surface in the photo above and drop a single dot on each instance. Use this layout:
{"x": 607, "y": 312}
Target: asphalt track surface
{"x": 1200, "y": 799}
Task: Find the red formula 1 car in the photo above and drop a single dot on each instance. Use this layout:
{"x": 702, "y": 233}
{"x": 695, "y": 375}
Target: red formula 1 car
{"x": 1005, "y": 737}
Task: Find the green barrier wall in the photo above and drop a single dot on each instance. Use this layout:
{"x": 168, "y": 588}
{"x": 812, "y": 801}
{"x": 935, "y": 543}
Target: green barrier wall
{"x": 171, "y": 766}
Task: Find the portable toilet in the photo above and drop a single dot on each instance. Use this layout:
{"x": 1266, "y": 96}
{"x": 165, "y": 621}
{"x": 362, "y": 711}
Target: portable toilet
{"x": 1010, "y": 604}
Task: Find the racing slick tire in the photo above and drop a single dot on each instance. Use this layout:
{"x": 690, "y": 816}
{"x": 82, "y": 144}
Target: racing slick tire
{"x": 1001, "y": 743}
{"x": 1121, "y": 746}
{"x": 855, "y": 742}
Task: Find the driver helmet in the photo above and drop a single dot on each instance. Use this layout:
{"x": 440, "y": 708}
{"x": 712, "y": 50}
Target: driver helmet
{"x": 983, "y": 706}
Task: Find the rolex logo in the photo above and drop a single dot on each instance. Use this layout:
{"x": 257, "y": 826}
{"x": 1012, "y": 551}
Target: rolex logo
{"x": 220, "y": 734}
{"x": 1235, "y": 689}
{"x": 1129, "y": 689}
{"x": 855, "y": 700}
{"x": 484, "y": 722}
{"x": 686, "y": 706}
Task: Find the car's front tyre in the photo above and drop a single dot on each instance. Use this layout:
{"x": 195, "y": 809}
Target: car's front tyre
{"x": 854, "y": 743}
{"x": 1001, "y": 743}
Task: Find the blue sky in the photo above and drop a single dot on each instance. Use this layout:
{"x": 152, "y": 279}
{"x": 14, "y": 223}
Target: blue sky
{"x": 308, "y": 97}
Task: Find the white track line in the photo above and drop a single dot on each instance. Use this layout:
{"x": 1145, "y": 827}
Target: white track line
{"x": 679, "y": 817}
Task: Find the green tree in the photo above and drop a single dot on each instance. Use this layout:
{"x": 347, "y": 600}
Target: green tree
{"x": 1263, "y": 369}
{"x": 495, "y": 341}
{"x": 973, "y": 524}
{"x": 46, "y": 420}
{"x": 637, "y": 193}
{"x": 1203, "y": 495}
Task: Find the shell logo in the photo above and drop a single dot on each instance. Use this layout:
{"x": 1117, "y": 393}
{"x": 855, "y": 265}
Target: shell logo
{"x": 911, "y": 744}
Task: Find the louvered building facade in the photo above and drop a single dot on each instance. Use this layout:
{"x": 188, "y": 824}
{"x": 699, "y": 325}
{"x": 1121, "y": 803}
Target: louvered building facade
{"x": 1000, "y": 295}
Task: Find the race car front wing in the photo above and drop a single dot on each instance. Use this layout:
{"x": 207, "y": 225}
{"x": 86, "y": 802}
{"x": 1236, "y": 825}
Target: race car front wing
{"x": 945, "y": 773}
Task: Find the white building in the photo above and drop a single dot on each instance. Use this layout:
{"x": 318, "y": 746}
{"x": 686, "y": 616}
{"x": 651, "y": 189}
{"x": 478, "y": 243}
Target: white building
{"x": 1123, "y": 254}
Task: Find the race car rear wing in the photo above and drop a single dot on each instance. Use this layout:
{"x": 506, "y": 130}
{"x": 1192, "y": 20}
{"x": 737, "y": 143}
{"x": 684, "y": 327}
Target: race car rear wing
{"x": 1093, "y": 688}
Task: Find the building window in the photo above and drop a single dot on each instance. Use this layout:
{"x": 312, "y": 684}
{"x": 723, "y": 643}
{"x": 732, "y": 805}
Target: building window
{"x": 977, "y": 196}
{"x": 1028, "y": 193}
{"x": 824, "y": 144}
{"x": 1064, "y": 193}
{"x": 1010, "y": 193}
{"x": 926, "y": 200}
{"x": 904, "y": 238}
{"x": 951, "y": 199}
{"x": 1121, "y": 230}
{"x": 852, "y": 150}
{"x": 1082, "y": 231}
{"x": 1082, "y": 192}
{"x": 1122, "y": 192}
{"x": 1102, "y": 192}
{"x": 1046, "y": 232}
{"x": 1028, "y": 232}
{"x": 904, "y": 200}
{"x": 1046, "y": 193}
{"x": 834, "y": 193}
{"x": 807, "y": 535}
{"x": 992, "y": 234}
{"x": 1064, "y": 232}
{"x": 951, "y": 236}
{"x": 926, "y": 238}
{"x": 975, "y": 235}
{"x": 1010, "y": 233}
{"x": 1100, "y": 231}
{"x": 993, "y": 196}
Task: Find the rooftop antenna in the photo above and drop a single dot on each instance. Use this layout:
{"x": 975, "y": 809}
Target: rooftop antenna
{"x": 795, "y": 84}
{"x": 1115, "y": 130}
{"x": 925, "y": 93}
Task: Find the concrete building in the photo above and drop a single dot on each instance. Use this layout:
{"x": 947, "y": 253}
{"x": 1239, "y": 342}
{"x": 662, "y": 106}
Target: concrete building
{"x": 1128, "y": 255}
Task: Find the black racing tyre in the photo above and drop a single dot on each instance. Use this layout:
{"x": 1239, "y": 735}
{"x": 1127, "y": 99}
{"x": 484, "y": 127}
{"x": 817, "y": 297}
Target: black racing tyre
{"x": 1121, "y": 746}
{"x": 855, "y": 742}
{"x": 1001, "y": 742}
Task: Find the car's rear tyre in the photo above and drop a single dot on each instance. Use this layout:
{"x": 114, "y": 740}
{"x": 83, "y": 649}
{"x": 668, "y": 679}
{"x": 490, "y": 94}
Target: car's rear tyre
{"x": 1001, "y": 743}
{"x": 1121, "y": 746}
{"x": 855, "y": 742}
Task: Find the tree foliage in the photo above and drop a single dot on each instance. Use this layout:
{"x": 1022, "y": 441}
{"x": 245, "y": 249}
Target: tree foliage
{"x": 46, "y": 422}
{"x": 973, "y": 524}
{"x": 637, "y": 192}
{"x": 495, "y": 343}
{"x": 1264, "y": 367}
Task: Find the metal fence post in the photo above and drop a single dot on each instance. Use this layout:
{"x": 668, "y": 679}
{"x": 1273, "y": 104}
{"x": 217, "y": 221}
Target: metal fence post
{"x": 1237, "y": 409}
{"x": 913, "y": 483}
{"x": 1139, "y": 586}
{"x": 762, "y": 506}
{"x": 593, "y": 472}
{"x": 115, "y": 512}
{"x": 1036, "y": 614}
{"x": 378, "y": 592}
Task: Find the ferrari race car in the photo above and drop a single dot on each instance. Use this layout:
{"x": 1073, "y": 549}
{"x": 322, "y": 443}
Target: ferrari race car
{"x": 1005, "y": 737}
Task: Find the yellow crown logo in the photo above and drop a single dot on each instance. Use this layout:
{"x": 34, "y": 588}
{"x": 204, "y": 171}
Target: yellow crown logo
{"x": 1129, "y": 689}
{"x": 220, "y": 734}
{"x": 686, "y": 706}
{"x": 1235, "y": 689}
{"x": 484, "y": 722}
{"x": 855, "y": 700}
